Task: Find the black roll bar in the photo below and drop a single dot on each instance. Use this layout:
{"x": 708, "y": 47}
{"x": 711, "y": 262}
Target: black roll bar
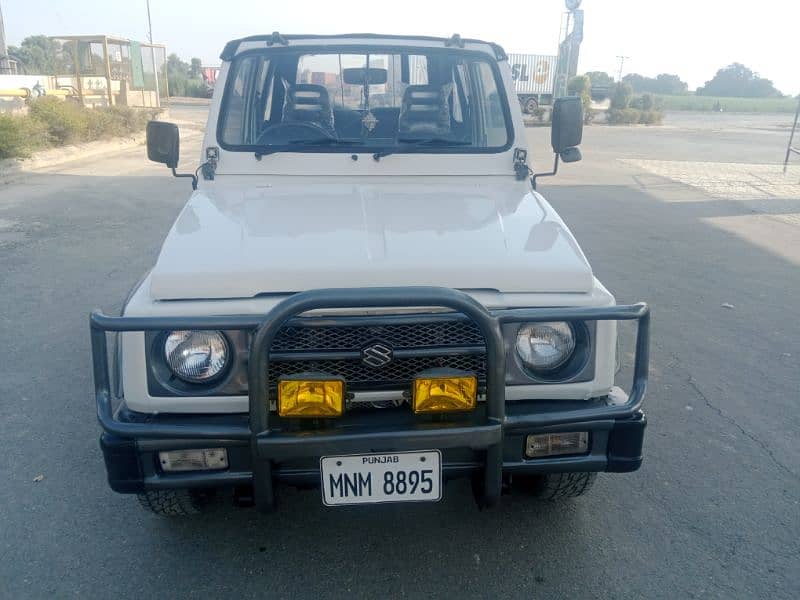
{"x": 267, "y": 326}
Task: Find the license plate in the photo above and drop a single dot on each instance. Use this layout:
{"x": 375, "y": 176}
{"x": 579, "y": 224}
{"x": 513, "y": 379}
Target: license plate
{"x": 379, "y": 478}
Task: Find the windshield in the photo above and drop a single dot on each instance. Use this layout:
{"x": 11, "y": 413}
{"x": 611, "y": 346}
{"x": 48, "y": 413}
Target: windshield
{"x": 415, "y": 100}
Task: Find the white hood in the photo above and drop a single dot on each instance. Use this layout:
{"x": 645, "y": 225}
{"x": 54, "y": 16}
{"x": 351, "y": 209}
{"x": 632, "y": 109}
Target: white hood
{"x": 238, "y": 240}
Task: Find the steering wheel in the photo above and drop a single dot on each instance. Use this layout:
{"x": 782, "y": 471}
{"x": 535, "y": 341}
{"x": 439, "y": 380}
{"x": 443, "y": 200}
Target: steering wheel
{"x": 284, "y": 132}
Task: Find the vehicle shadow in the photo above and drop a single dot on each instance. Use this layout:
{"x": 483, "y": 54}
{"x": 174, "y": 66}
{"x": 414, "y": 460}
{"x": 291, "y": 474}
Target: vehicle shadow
{"x": 404, "y": 549}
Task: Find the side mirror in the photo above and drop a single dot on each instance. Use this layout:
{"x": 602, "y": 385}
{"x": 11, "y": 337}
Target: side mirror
{"x": 163, "y": 143}
{"x": 567, "y": 129}
{"x": 566, "y": 133}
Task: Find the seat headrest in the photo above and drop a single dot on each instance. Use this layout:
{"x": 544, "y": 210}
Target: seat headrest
{"x": 425, "y": 111}
{"x": 308, "y": 103}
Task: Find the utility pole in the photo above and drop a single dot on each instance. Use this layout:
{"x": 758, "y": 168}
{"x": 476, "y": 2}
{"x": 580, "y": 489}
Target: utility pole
{"x": 5, "y": 65}
{"x": 149, "y": 24}
{"x": 153, "y": 53}
{"x": 622, "y": 60}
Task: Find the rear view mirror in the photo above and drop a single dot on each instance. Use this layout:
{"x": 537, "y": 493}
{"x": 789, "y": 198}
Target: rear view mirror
{"x": 565, "y": 134}
{"x": 164, "y": 146}
{"x": 357, "y": 76}
{"x": 567, "y": 129}
{"x": 163, "y": 143}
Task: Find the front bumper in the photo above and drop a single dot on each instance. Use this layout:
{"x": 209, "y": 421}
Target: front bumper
{"x": 133, "y": 466}
{"x": 486, "y": 444}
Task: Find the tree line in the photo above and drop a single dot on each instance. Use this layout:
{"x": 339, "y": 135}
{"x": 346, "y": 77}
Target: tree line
{"x": 735, "y": 80}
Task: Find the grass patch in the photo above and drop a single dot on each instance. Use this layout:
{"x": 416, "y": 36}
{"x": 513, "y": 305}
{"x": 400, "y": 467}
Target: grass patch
{"x": 19, "y": 136}
{"x": 755, "y": 105}
{"x": 633, "y": 116}
{"x": 55, "y": 122}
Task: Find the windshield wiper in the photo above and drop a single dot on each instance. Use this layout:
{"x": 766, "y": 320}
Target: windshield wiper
{"x": 409, "y": 145}
{"x": 286, "y": 147}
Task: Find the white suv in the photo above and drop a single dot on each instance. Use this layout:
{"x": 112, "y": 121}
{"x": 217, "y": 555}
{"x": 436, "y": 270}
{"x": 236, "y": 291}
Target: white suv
{"x": 365, "y": 293}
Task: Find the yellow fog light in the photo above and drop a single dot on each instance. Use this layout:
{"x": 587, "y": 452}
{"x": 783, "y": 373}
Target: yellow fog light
{"x": 310, "y": 397}
{"x": 445, "y": 393}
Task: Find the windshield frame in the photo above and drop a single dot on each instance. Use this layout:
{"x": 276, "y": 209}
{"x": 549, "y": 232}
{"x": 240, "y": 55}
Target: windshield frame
{"x": 398, "y": 147}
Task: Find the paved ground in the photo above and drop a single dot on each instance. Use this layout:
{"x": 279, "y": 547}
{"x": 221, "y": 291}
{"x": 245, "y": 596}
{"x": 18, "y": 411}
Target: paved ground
{"x": 713, "y": 512}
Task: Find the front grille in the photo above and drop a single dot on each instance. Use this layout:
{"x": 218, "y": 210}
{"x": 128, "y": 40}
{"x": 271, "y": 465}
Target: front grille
{"x": 445, "y": 333}
{"x": 363, "y": 377}
{"x": 336, "y": 349}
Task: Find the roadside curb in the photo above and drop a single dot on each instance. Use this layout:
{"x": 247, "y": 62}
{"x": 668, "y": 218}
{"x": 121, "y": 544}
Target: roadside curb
{"x": 54, "y": 157}
{"x": 187, "y": 100}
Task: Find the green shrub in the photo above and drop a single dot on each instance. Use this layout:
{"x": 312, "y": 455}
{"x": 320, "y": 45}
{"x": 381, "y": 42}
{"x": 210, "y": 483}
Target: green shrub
{"x": 581, "y": 86}
{"x": 101, "y": 124}
{"x": 181, "y": 85}
{"x": 119, "y": 120}
{"x": 196, "y": 88}
{"x": 623, "y": 116}
{"x": 651, "y": 117}
{"x": 70, "y": 123}
{"x": 644, "y": 102}
{"x": 66, "y": 122}
{"x": 20, "y": 135}
{"x": 633, "y": 116}
{"x": 621, "y": 96}
{"x": 54, "y": 122}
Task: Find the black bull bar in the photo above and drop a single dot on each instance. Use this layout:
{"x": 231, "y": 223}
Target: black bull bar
{"x": 270, "y": 445}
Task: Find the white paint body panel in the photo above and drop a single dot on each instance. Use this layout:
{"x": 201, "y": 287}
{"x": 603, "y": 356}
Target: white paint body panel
{"x": 298, "y": 221}
{"x": 237, "y": 240}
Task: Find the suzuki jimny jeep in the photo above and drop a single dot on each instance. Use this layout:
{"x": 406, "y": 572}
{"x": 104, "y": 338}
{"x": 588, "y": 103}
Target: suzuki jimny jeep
{"x": 366, "y": 294}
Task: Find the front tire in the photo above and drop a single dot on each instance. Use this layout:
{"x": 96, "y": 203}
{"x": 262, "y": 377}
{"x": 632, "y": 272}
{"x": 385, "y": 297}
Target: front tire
{"x": 172, "y": 503}
{"x": 553, "y": 487}
{"x": 531, "y": 105}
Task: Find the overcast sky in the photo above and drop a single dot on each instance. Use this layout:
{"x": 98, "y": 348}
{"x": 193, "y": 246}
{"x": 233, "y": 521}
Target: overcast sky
{"x": 691, "y": 38}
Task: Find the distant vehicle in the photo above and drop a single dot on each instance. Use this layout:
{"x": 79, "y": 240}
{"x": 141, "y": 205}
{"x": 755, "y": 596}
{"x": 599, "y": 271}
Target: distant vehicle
{"x": 600, "y": 92}
{"x": 534, "y": 79}
{"x": 209, "y": 75}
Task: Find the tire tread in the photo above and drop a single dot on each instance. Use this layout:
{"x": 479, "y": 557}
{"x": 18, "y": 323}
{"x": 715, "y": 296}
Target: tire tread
{"x": 170, "y": 503}
{"x": 557, "y": 486}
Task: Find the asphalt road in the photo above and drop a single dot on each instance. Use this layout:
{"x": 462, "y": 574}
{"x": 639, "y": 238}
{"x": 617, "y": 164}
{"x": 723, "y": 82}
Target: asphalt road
{"x": 712, "y": 513}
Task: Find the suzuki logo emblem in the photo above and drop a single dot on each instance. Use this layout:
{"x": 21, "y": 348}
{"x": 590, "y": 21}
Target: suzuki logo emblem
{"x": 377, "y": 354}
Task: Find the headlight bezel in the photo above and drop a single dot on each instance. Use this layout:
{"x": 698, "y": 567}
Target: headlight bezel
{"x": 162, "y": 382}
{"x": 578, "y": 367}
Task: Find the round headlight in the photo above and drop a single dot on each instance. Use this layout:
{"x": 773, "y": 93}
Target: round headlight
{"x": 196, "y": 356}
{"x": 545, "y": 346}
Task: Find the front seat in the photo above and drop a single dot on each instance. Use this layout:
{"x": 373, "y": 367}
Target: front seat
{"x": 308, "y": 103}
{"x": 425, "y": 112}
